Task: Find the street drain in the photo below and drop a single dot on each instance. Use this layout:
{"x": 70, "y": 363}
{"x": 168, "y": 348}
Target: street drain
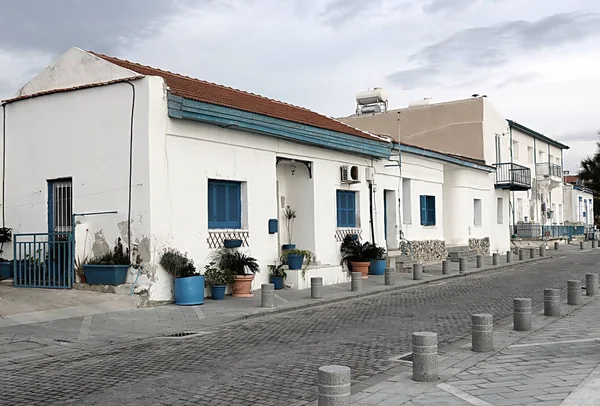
{"x": 184, "y": 335}
{"x": 404, "y": 358}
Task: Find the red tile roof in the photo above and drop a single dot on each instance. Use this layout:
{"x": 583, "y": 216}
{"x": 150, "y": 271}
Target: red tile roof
{"x": 571, "y": 178}
{"x": 212, "y": 93}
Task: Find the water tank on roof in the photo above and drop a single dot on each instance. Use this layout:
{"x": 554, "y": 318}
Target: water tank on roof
{"x": 375, "y": 96}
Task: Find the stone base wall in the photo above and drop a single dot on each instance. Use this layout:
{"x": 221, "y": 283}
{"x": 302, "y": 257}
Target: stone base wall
{"x": 427, "y": 251}
{"x": 481, "y": 246}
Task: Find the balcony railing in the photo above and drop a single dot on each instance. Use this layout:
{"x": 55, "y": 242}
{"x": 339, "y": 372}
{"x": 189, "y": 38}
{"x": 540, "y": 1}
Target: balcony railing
{"x": 512, "y": 176}
{"x": 547, "y": 169}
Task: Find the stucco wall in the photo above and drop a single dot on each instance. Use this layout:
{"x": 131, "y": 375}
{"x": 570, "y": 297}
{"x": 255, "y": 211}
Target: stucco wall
{"x": 85, "y": 135}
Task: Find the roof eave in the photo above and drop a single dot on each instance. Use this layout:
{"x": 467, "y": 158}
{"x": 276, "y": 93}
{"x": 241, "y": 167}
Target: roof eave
{"x": 536, "y": 134}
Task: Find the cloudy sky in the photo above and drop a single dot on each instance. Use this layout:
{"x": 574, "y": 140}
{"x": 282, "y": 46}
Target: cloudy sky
{"x": 537, "y": 60}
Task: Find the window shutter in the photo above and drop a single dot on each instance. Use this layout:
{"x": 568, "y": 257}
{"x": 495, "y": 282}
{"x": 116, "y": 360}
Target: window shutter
{"x": 341, "y": 208}
{"x": 224, "y": 204}
{"x": 234, "y": 205}
{"x": 423, "y": 210}
{"x": 431, "y": 211}
{"x": 220, "y": 203}
{"x": 351, "y": 213}
{"x": 211, "y": 204}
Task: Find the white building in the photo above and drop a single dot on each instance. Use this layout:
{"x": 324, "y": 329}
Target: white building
{"x": 163, "y": 160}
{"x": 579, "y": 202}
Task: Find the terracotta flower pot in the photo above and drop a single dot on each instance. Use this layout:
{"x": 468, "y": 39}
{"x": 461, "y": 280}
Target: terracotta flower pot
{"x": 362, "y": 267}
{"x": 242, "y": 285}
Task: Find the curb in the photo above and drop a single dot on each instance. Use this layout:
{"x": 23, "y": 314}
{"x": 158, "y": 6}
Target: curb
{"x": 384, "y": 289}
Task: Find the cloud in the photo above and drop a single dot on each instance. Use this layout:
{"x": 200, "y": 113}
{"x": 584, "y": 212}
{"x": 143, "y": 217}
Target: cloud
{"x": 340, "y": 12}
{"x": 487, "y": 48}
{"x": 517, "y": 79}
{"x": 580, "y": 136}
{"x": 104, "y": 26}
{"x": 435, "y": 6}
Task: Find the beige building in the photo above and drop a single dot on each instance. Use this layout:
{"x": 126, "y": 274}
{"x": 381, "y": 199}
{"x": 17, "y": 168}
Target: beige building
{"x": 528, "y": 164}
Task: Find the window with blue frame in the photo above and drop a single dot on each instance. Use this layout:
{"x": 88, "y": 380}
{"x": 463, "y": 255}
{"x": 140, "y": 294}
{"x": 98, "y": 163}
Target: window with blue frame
{"x": 224, "y": 204}
{"x": 427, "y": 210}
{"x": 346, "y": 208}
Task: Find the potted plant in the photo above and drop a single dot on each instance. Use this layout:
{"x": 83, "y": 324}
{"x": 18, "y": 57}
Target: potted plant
{"x": 189, "y": 284}
{"x": 289, "y": 215}
{"x": 217, "y": 280}
{"x": 356, "y": 256}
{"x": 377, "y": 266}
{"x": 110, "y": 268}
{"x": 295, "y": 258}
{"x": 277, "y": 275}
{"x": 6, "y": 269}
{"x": 240, "y": 268}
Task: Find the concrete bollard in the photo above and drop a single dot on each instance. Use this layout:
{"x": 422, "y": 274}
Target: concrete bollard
{"x": 316, "y": 287}
{"x": 389, "y": 276}
{"x": 521, "y": 254}
{"x": 334, "y": 385}
{"x": 542, "y": 251}
{"x": 573, "y": 292}
{"x": 591, "y": 284}
{"x": 356, "y": 281}
{"x": 479, "y": 261}
{"x": 445, "y": 267}
{"x": 462, "y": 264}
{"x": 425, "y": 356}
{"x": 509, "y": 257}
{"x": 482, "y": 335}
{"x": 267, "y": 295}
{"x": 531, "y": 253}
{"x": 556, "y": 246}
{"x": 552, "y": 302}
{"x": 593, "y": 243}
{"x": 581, "y": 245}
{"x": 522, "y": 314}
{"x": 417, "y": 272}
{"x": 495, "y": 259}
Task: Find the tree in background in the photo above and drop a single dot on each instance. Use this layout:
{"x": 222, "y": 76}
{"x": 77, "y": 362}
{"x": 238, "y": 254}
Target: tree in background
{"x": 590, "y": 176}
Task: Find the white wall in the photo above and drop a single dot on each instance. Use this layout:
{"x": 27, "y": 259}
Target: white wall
{"x": 85, "y": 135}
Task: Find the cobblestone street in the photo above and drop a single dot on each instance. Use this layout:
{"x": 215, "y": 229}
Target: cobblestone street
{"x": 273, "y": 360}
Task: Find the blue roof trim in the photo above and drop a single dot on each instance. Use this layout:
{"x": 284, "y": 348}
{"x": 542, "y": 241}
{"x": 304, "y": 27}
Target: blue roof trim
{"x": 584, "y": 189}
{"x": 536, "y": 134}
{"x": 182, "y": 108}
{"x": 443, "y": 157}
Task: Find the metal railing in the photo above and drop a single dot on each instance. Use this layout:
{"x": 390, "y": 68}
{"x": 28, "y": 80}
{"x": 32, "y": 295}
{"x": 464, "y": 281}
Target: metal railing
{"x": 545, "y": 169}
{"x": 534, "y": 231}
{"x": 511, "y": 174}
{"x": 43, "y": 260}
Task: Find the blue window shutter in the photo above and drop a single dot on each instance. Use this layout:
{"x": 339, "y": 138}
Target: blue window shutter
{"x": 423, "y": 210}
{"x": 346, "y": 208}
{"x": 431, "y": 210}
{"x": 224, "y": 204}
{"x": 351, "y": 209}
{"x": 341, "y": 208}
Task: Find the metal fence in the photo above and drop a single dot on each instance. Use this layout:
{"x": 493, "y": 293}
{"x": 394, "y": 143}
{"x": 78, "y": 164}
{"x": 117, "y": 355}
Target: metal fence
{"x": 533, "y": 231}
{"x": 43, "y": 260}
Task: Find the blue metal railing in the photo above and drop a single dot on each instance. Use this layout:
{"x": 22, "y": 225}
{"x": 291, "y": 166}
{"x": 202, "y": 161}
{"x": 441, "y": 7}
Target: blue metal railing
{"x": 43, "y": 260}
{"x": 528, "y": 230}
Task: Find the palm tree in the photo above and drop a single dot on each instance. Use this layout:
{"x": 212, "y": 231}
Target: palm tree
{"x": 590, "y": 174}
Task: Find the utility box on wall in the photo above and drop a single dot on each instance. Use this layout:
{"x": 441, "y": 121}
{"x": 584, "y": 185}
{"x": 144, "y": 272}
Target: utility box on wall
{"x": 273, "y": 226}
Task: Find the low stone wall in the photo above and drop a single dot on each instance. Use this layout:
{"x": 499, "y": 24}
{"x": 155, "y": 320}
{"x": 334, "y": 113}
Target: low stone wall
{"x": 481, "y": 246}
{"x": 426, "y": 251}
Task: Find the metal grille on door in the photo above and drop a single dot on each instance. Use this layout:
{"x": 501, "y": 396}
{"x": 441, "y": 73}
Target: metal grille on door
{"x": 62, "y": 206}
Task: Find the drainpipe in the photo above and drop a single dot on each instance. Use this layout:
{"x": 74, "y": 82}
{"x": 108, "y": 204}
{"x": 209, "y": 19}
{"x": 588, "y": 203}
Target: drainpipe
{"x": 3, "y": 164}
{"x": 535, "y": 205}
{"x": 562, "y": 181}
{"x": 371, "y": 191}
{"x": 130, "y": 166}
{"x": 511, "y": 202}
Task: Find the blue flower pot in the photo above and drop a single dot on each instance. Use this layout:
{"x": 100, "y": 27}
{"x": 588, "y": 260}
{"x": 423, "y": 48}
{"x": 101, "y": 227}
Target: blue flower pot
{"x": 377, "y": 267}
{"x": 217, "y": 292}
{"x": 232, "y": 243}
{"x": 6, "y": 270}
{"x": 353, "y": 237}
{"x": 286, "y": 247}
{"x": 189, "y": 291}
{"x": 277, "y": 281}
{"x": 105, "y": 274}
{"x": 295, "y": 261}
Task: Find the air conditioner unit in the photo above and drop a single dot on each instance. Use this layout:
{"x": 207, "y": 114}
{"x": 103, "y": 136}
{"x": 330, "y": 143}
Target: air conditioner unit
{"x": 349, "y": 174}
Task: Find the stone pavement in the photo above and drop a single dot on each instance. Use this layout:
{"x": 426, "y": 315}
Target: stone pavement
{"x": 115, "y": 319}
{"x": 273, "y": 360}
{"x": 556, "y": 364}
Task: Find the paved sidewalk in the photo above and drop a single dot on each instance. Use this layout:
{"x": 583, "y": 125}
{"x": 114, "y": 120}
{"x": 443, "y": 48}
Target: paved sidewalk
{"x": 556, "y": 364}
{"x": 38, "y": 335}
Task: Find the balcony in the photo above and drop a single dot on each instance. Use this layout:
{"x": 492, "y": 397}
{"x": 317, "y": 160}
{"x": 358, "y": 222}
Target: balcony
{"x": 511, "y": 176}
{"x": 549, "y": 173}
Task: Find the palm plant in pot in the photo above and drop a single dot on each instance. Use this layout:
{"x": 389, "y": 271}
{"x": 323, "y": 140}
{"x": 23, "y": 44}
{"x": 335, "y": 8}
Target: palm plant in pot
{"x": 289, "y": 215}
{"x": 377, "y": 266}
{"x": 217, "y": 280}
{"x": 277, "y": 275}
{"x": 189, "y": 284}
{"x": 240, "y": 267}
{"x": 110, "y": 268}
{"x": 357, "y": 256}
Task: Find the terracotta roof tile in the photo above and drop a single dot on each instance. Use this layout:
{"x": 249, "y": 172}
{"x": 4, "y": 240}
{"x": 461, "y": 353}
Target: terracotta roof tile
{"x": 212, "y": 93}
